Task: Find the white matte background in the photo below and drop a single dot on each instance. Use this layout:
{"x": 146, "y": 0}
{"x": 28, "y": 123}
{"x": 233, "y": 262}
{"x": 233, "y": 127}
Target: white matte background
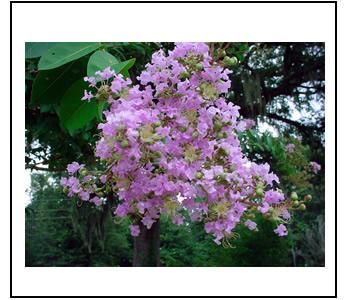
{"x": 168, "y": 22}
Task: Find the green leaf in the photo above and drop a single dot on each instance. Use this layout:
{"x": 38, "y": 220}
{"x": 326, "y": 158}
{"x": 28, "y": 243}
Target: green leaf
{"x": 63, "y": 53}
{"x": 99, "y": 61}
{"x": 123, "y": 67}
{"x": 37, "y": 49}
{"x": 199, "y": 199}
{"x": 259, "y": 146}
{"x": 240, "y": 56}
{"x": 269, "y": 142}
{"x": 49, "y": 86}
{"x": 75, "y": 113}
{"x": 251, "y": 135}
{"x": 100, "y": 109}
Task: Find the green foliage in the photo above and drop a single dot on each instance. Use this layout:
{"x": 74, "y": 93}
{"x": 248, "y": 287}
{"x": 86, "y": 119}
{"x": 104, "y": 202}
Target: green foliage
{"x": 44, "y": 92}
{"x": 64, "y": 53}
{"x": 37, "y": 49}
{"x": 99, "y": 61}
{"x": 123, "y": 67}
{"x": 260, "y": 146}
{"x": 75, "y": 113}
{"x": 306, "y": 229}
{"x": 58, "y": 86}
{"x": 292, "y": 168}
{"x": 238, "y": 50}
{"x": 60, "y": 233}
{"x": 189, "y": 245}
{"x": 101, "y": 106}
{"x": 49, "y": 86}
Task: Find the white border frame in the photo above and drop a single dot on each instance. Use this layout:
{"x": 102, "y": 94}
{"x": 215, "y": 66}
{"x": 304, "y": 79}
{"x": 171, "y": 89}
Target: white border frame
{"x": 170, "y": 22}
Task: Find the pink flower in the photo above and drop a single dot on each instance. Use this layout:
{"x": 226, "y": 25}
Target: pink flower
{"x": 147, "y": 221}
{"x": 64, "y": 181}
{"x": 87, "y": 96}
{"x": 264, "y": 208}
{"x": 96, "y": 200}
{"x": 246, "y": 124}
{"x": 273, "y": 197}
{"x": 73, "y": 167}
{"x": 174, "y": 134}
{"x": 251, "y": 225}
{"x": 106, "y": 73}
{"x": 122, "y": 210}
{"x": 281, "y": 230}
{"x": 178, "y": 220}
{"x": 134, "y": 230}
{"x": 85, "y": 196}
{"x": 315, "y": 167}
{"x": 290, "y": 148}
{"x": 91, "y": 81}
{"x": 103, "y": 179}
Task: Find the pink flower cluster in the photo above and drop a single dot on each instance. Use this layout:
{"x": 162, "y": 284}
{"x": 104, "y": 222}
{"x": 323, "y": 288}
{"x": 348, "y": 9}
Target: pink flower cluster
{"x": 171, "y": 147}
{"x": 80, "y": 184}
{"x": 290, "y": 148}
{"x": 315, "y": 167}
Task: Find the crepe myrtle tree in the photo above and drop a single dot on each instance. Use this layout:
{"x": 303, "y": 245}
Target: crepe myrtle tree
{"x": 169, "y": 146}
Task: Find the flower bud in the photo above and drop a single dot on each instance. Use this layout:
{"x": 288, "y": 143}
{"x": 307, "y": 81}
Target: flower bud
{"x": 233, "y": 61}
{"x": 184, "y": 75}
{"x": 156, "y": 124}
{"x": 260, "y": 185}
{"x": 103, "y": 92}
{"x": 294, "y": 196}
{"x": 296, "y": 203}
{"x": 124, "y": 144}
{"x": 308, "y": 198}
{"x": 83, "y": 172}
{"x": 220, "y": 52}
{"x": 218, "y": 125}
{"x": 230, "y": 169}
{"x": 119, "y": 138}
{"x": 226, "y": 61}
{"x": 221, "y": 178}
{"x": 199, "y": 67}
{"x": 230, "y": 61}
{"x": 259, "y": 192}
{"x": 302, "y": 206}
{"x": 220, "y": 135}
{"x": 157, "y": 155}
{"x": 199, "y": 175}
{"x": 195, "y": 134}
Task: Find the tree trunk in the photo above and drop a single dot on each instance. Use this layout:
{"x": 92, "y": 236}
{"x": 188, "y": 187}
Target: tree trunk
{"x": 146, "y": 246}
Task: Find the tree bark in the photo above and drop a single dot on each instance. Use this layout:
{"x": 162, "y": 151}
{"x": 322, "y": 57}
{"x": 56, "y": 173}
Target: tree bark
{"x": 146, "y": 246}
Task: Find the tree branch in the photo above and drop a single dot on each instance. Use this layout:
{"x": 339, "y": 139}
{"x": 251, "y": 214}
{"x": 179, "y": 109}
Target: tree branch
{"x": 34, "y": 167}
{"x": 296, "y": 124}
